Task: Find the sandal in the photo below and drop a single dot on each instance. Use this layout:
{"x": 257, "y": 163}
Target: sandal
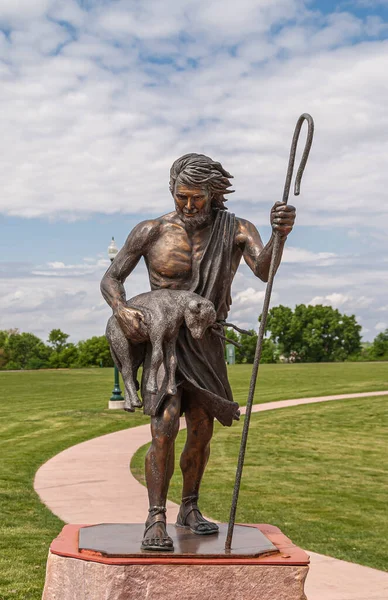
{"x": 157, "y": 514}
{"x": 202, "y": 526}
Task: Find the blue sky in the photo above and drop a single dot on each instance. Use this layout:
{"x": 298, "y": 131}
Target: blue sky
{"x": 98, "y": 99}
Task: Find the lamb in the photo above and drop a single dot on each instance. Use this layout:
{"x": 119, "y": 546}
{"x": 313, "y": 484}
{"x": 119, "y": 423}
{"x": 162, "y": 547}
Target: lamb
{"x": 162, "y": 312}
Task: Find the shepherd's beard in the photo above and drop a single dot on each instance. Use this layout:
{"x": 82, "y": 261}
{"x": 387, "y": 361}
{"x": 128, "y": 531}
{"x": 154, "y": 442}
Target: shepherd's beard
{"x": 195, "y": 222}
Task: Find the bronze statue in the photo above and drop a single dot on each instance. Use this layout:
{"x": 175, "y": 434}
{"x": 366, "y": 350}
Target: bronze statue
{"x": 195, "y": 248}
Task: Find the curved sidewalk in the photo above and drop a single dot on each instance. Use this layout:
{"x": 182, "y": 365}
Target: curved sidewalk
{"x": 92, "y": 483}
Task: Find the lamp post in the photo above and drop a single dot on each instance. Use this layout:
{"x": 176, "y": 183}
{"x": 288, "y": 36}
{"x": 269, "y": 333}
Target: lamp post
{"x": 116, "y": 400}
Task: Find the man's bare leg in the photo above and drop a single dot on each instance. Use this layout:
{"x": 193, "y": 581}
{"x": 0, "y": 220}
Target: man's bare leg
{"x": 159, "y": 467}
{"x": 193, "y": 462}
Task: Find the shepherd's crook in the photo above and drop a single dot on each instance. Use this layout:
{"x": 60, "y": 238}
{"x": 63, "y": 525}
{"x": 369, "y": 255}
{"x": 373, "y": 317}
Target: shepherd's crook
{"x": 272, "y": 270}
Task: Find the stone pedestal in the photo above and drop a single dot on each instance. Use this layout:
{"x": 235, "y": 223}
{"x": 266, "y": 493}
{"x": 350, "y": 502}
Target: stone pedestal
{"x": 87, "y": 575}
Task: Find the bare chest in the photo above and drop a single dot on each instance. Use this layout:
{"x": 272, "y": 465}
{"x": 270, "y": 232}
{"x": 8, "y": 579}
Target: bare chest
{"x": 174, "y": 255}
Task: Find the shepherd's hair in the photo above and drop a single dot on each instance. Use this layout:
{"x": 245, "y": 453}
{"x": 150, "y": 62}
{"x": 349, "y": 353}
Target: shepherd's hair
{"x": 198, "y": 170}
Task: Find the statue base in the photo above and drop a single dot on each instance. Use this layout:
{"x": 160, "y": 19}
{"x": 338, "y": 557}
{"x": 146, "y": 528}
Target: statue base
{"x": 124, "y": 540}
{"x": 75, "y": 572}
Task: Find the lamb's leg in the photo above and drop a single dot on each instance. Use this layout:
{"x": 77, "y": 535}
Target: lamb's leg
{"x": 171, "y": 363}
{"x": 156, "y": 361}
{"x": 132, "y": 400}
{"x": 121, "y": 351}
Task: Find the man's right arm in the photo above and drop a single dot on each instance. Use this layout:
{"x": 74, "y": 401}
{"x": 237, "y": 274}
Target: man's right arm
{"x": 112, "y": 284}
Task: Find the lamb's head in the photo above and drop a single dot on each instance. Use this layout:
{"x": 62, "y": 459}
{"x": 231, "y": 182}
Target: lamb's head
{"x": 199, "y": 315}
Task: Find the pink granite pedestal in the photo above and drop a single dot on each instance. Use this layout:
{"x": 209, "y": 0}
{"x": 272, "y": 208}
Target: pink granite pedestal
{"x": 74, "y": 575}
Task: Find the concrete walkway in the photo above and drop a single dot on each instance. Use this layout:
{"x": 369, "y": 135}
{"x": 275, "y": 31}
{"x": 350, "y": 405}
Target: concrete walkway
{"x": 92, "y": 483}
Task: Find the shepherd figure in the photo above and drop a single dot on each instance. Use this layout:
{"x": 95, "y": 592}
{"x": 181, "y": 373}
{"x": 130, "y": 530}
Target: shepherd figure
{"x": 197, "y": 247}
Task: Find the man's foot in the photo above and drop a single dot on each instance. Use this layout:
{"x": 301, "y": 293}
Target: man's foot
{"x": 155, "y": 533}
{"x": 190, "y": 517}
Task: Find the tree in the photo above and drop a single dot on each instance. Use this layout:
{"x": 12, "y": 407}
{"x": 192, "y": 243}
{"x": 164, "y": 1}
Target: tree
{"x": 314, "y": 333}
{"x": 281, "y": 327}
{"x": 58, "y": 340}
{"x": 64, "y": 354}
{"x": 3, "y": 338}
{"x": 246, "y": 354}
{"x": 65, "y": 358}
{"x": 269, "y": 353}
{"x": 248, "y": 343}
{"x": 4, "y": 355}
{"x": 22, "y": 348}
{"x": 95, "y": 352}
{"x": 379, "y": 348}
{"x": 3, "y": 348}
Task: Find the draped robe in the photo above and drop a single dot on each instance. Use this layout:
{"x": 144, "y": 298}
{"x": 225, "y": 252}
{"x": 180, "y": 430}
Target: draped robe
{"x": 201, "y": 367}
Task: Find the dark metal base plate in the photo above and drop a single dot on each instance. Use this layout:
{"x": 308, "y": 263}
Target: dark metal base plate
{"x": 124, "y": 540}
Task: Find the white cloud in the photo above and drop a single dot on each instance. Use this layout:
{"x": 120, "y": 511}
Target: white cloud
{"x": 60, "y": 269}
{"x": 93, "y": 118}
{"x": 60, "y": 295}
{"x": 299, "y": 255}
{"x": 97, "y": 103}
{"x": 353, "y": 233}
{"x": 381, "y": 326}
{"x": 337, "y": 300}
{"x": 56, "y": 294}
{"x": 19, "y": 11}
{"x": 249, "y": 295}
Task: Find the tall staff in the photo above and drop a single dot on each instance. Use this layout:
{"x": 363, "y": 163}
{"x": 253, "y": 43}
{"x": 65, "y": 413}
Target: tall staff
{"x": 259, "y": 345}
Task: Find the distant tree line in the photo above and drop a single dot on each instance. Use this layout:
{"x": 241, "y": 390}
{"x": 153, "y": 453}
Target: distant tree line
{"x": 27, "y": 351}
{"x": 305, "y": 334}
{"x": 310, "y": 334}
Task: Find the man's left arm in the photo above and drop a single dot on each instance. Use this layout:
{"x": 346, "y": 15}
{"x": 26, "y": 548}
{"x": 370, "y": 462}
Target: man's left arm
{"x": 256, "y": 255}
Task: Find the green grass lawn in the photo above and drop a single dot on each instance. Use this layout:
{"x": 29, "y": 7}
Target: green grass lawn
{"x": 41, "y": 414}
{"x": 278, "y": 382}
{"x": 44, "y": 412}
{"x": 319, "y": 472}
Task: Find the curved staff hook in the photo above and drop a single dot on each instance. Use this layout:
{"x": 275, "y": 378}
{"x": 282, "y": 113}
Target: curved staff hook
{"x": 264, "y": 315}
{"x": 305, "y": 155}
